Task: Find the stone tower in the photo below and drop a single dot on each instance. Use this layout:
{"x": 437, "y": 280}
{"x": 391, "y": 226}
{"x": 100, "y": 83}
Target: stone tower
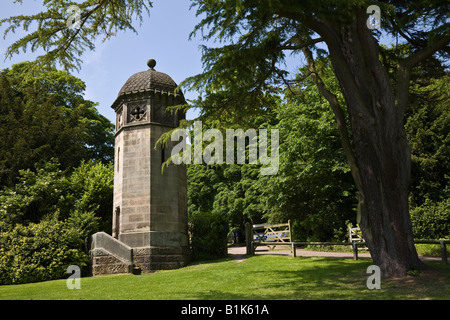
{"x": 150, "y": 204}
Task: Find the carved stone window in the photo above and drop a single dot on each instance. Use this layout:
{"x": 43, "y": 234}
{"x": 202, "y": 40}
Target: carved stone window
{"x": 137, "y": 112}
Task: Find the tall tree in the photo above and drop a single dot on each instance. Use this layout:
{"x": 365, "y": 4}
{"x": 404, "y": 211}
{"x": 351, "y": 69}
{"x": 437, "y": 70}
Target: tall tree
{"x": 427, "y": 128}
{"x": 44, "y": 116}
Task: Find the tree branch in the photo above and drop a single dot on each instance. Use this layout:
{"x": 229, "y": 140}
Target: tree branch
{"x": 404, "y": 67}
{"x": 426, "y": 52}
{"x": 298, "y": 44}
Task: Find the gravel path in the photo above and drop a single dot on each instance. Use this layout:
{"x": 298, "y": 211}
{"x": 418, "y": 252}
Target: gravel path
{"x": 238, "y": 253}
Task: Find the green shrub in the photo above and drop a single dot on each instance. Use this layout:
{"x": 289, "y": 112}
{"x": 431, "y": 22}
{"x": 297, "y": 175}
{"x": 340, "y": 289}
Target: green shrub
{"x": 47, "y": 216}
{"x": 431, "y": 220}
{"x": 43, "y": 251}
{"x": 209, "y": 232}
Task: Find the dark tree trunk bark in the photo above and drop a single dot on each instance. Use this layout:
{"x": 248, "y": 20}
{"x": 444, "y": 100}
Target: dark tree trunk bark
{"x": 380, "y": 148}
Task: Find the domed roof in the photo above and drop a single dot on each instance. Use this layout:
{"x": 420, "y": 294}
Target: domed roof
{"x": 149, "y": 81}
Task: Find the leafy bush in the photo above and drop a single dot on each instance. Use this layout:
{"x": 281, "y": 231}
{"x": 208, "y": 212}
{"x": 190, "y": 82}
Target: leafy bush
{"x": 46, "y": 218}
{"x": 92, "y": 190}
{"x": 37, "y": 194}
{"x": 431, "y": 220}
{"x": 88, "y": 188}
{"x": 43, "y": 251}
{"x": 209, "y": 232}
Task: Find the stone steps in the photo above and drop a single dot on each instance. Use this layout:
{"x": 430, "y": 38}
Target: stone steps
{"x": 104, "y": 263}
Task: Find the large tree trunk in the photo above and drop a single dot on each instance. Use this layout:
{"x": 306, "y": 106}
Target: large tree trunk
{"x": 381, "y": 151}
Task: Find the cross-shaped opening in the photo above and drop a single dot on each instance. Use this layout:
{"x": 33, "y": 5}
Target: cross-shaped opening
{"x": 138, "y": 112}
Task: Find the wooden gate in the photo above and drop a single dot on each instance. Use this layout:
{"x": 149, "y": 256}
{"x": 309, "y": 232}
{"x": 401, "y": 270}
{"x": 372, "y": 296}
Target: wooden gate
{"x": 269, "y": 235}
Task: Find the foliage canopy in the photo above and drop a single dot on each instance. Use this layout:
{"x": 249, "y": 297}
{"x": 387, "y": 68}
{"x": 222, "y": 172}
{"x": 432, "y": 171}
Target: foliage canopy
{"x": 44, "y": 116}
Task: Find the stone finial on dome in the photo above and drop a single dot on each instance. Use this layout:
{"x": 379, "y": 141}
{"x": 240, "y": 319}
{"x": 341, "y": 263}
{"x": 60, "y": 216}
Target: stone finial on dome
{"x": 151, "y": 63}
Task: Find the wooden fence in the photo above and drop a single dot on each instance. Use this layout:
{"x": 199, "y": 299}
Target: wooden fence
{"x": 279, "y": 234}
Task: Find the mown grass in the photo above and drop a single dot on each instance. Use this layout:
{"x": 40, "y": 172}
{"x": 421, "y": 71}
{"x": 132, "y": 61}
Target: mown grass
{"x": 431, "y": 250}
{"x": 257, "y": 277}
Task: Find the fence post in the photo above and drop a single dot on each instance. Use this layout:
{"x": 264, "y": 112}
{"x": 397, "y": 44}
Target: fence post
{"x": 443, "y": 252}
{"x": 355, "y": 250}
{"x": 248, "y": 238}
{"x": 290, "y": 230}
{"x": 294, "y": 253}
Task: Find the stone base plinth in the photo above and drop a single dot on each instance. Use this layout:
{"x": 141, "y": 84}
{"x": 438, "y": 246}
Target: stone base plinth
{"x": 150, "y": 259}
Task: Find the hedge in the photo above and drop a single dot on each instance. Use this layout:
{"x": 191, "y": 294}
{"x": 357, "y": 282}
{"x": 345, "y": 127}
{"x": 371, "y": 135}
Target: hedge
{"x": 431, "y": 220}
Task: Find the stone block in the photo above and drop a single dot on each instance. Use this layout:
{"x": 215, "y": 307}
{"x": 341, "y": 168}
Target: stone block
{"x": 135, "y": 239}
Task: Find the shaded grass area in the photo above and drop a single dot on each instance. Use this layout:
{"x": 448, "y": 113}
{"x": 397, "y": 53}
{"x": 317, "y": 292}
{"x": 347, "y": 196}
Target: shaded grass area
{"x": 257, "y": 277}
{"x": 431, "y": 250}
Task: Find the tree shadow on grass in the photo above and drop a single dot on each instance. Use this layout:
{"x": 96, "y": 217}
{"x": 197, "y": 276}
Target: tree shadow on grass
{"x": 318, "y": 278}
{"x": 272, "y": 277}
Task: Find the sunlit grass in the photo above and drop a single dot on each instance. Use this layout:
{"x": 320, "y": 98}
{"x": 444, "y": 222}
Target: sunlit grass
{"x": 257, "y": 277}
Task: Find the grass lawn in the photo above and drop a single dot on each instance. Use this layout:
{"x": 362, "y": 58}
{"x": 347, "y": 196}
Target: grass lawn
{"x": 257, "y": 277}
